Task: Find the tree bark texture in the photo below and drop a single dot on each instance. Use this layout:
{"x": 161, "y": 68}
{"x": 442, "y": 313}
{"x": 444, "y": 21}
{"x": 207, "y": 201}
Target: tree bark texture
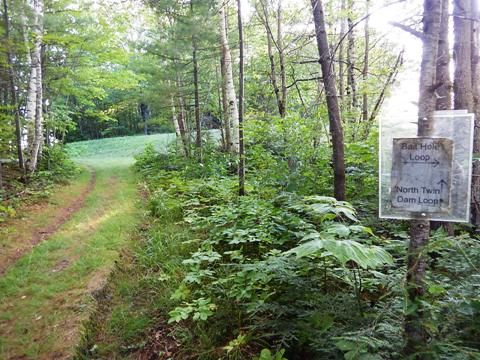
{"x": 352, "y": 87}
{"x": 476, "y": 109}
{"x": 462, "y": 48}
{"x": 336, "y": 130}
{"x": 198, "y": 125}
{"x": 341, "y": 51}
{"x": 365, "y": 63}
{"x": 241, "y": 164}
{"x": 415, "y": 332}
{"x": 443, "y": 92}
{"x": 231, "y": 113}
{"x": 35, "y": 96}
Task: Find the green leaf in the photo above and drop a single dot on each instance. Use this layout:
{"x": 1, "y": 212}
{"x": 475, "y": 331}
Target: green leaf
{"x": 365, "y": 256}
{"x": 338, "y": 229}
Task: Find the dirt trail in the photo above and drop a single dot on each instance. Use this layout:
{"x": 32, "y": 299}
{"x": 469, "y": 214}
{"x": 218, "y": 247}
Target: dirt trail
{"x": 48, "y": 280}
{"x": 33, "y": 235}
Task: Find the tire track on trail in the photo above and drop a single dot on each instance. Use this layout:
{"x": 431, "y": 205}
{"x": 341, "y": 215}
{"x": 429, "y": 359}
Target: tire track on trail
{"x": 47, "y": 294}
{"x": 7, "y": 258}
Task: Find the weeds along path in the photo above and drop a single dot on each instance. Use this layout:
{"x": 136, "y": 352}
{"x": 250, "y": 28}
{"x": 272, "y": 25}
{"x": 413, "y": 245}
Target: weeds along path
{"x": 48, "y": 292}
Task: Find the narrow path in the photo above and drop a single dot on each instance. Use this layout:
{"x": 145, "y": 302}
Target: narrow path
{"x": 47, "y": 293}
{"x": 21, "y": 235}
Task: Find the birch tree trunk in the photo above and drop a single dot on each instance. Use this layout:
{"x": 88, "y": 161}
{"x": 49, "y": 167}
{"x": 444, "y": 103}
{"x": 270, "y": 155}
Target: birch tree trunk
{"x": 176, "y": 125}
{"x": 36, "y": 87}
{"x": 231, "y": 110}
{"x": 32, "y": 87}
{"x": 336, "y": 129}
{"x": 415, "y": 332}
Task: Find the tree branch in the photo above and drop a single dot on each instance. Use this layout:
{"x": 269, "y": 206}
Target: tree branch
{"x": 408, "y": 29}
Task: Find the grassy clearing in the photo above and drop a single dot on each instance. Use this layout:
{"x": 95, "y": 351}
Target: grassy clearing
{"x": 48, "y": 293}
{"x": 125, "y": 147}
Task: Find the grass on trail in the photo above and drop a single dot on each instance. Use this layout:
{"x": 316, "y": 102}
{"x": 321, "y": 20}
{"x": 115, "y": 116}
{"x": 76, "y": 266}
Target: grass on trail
{"x": 47, "y": 294}
{"x": 16, "y": 234}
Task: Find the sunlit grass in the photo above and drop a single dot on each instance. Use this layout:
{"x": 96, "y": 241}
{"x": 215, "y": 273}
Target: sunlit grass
{"x": 46, "y": 295}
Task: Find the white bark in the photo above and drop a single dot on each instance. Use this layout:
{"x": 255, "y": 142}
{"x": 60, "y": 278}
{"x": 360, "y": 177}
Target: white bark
{"x": 227, "y": 82}
{"x": 37, "y": 84}
{"x": 177, "y": 126}
{"x": 32, "y": 84}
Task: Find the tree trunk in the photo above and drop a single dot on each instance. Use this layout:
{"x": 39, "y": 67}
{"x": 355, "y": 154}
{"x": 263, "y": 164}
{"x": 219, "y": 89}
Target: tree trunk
{"x": 38, "y": 85}
{"x": 32, "y": 86}
{"x": 13, "y": 91}
{"x": 228, "y": 86}
{"x": 476, "y": 109}
{"x": 144, "y": 116}
{"x": 176, "y": 125}
{"x": 341, "y": 51}
{"x": 444, "y": 85}
{"x": 443, "y": 93}
{"x": 462, "y": 47}
{"x": 365, "y": 64}
{"x": 271, "y": 58}
{"x": 352, "y": 87}
{"x": 415, "y": 331}
{"x": 281, "y": 60}
{"x": 336, "y": 129}
{"x": 226, "y": 121}
{"x": 198, "y": 125}
{"x": 241, "y": 164}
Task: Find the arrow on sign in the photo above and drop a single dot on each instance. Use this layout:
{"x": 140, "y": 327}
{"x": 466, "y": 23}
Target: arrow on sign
{"x": 441, "y": 183}
{"x": 435, "y": 163}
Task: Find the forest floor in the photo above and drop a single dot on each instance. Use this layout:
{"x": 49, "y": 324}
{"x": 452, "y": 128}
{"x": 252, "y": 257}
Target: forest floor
{"x": 58, "y": 255}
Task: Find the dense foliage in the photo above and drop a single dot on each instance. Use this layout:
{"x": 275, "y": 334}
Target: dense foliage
{"x": 279, "y": 273}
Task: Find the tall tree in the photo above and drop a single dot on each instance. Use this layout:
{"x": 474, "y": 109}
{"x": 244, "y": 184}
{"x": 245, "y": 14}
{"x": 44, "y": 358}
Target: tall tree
{"x": 444, "y": 85}
{"x": 241, "y": 84}
{"x": 365, "y": 62}
{"x": 281, "y": 59}
{"x": 352, "y": 86}
{"x": 336, "y": 130}
{"x": 231, "y": 113}
{"x": 474, "y": 57}
{"x": 198, "y": 125}
{"x": 35, "y": 97}
{"x": 280, "y": 90}
{"x": 419, "y": 229}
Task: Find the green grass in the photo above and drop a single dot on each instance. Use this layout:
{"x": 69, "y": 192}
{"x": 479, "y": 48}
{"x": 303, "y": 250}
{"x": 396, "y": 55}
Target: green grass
{"x": 120, "y": 147}
{"x": 47, "y": 294}
{"x": 138, "y": 295}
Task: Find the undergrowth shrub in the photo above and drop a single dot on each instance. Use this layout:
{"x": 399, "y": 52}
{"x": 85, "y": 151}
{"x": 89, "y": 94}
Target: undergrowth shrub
{"x": 290, "y": 274}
